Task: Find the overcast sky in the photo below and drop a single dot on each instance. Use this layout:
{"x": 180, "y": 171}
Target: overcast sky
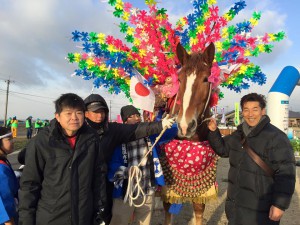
{"x": 35, "y": 37}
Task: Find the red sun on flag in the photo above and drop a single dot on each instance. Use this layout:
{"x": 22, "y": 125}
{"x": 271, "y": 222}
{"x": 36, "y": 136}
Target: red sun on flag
{"x": 141, "y": 90}
{"x": 142, "y": 96}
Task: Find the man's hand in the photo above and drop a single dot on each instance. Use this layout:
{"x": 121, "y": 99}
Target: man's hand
{"x": 119, "y": 176}
{"x": 167, "y": 122}
{"x": 212, "y": 124}
{"x": 275, "y": 213}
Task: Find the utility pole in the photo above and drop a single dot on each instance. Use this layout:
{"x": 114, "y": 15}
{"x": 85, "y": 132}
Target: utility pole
{"x": 6, "y": 103}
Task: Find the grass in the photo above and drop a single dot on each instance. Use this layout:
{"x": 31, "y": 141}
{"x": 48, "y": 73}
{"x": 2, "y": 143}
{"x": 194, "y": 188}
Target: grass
{"x": 20, "y": 143}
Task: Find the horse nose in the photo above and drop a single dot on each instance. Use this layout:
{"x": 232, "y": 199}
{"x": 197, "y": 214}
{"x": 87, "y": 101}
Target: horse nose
{"x": 183, "y": 129}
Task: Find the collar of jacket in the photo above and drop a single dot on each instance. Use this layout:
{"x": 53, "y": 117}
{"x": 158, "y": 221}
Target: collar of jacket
{"x": 257, "y": 129}
{"x": 99, "y": 127}
{"x": 84, "y": 135}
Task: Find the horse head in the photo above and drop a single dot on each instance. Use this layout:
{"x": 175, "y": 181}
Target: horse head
{"x": 194, "y": 90}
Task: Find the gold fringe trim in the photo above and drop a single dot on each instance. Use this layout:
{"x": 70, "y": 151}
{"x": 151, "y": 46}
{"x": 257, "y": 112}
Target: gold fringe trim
{"x": 170, "y": 196}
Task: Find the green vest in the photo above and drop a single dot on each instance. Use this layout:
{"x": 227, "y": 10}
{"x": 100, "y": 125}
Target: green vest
{"x": 8, "y": 122}
{"x": 14, "y": 123}
{"x": 38, "y": 124}
{"x": 28, "y": 124}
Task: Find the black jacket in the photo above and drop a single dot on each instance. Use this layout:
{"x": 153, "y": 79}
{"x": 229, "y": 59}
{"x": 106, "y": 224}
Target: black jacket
{"x": 114, "y": 134}
{"x": 61, "y": 186}
{"x": 251, "y": 192}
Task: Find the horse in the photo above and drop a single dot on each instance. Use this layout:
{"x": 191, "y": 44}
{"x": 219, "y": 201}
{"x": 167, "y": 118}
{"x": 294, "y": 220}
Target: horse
{"x": 192, "y": 107}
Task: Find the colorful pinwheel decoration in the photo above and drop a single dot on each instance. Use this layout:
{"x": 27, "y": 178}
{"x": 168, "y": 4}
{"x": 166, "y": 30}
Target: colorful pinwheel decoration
{"x": 150, "y": 41}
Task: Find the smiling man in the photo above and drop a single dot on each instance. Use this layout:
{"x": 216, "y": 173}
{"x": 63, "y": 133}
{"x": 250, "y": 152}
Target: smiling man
{"x": 63, "y": 181}
{"x": 260, "y": 187}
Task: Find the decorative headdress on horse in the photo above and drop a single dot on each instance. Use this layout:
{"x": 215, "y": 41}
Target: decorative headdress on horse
{"x": 149, "y": 48}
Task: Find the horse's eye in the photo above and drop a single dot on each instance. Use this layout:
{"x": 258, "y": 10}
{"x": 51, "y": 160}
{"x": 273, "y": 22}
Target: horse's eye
{"x": 205, "y": 79}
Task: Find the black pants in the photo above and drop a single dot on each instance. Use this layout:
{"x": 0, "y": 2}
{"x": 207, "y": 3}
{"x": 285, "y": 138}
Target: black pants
{"x": 29, "y": 133}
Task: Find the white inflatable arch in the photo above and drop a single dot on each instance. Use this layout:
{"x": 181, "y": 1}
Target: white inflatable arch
{"x": 278, "y": 97}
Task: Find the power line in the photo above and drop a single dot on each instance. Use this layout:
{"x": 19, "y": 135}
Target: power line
{"x": 45, "y": 103}
{"x": 22, "y": 93}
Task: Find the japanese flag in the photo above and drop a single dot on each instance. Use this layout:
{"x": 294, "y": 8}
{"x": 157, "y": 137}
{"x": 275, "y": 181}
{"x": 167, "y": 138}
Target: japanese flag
{"x": 142, "y": 96}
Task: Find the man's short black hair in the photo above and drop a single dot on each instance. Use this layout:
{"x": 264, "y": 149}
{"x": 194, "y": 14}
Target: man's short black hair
{"x": 254, "y": 97}
{"x": 69, "y": 100}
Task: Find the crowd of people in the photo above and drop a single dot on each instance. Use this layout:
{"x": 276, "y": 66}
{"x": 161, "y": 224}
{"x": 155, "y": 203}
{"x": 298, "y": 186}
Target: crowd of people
{"x": 76, "y": 168}
{"x": 13, "y": 124}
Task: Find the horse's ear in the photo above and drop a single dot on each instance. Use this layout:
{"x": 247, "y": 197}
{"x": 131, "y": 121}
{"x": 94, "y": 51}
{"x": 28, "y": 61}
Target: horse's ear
{"x": 182, "y": 55}
{"x": 209, "y": 53}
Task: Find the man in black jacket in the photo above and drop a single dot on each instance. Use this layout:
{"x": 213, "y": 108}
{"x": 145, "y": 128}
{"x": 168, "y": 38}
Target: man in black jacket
{"x": 253, "y": 196}
{"x": 63, "y": 182}
{"x": 114, "y": 134}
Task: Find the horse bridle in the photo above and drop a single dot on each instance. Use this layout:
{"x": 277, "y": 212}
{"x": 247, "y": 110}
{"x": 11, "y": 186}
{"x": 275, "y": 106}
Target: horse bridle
{"x": 207, "y": 101}
{"x": 204, "y": 109}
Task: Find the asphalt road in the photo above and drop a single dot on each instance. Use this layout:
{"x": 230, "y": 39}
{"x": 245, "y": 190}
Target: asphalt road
{"x": 13, "y": 159}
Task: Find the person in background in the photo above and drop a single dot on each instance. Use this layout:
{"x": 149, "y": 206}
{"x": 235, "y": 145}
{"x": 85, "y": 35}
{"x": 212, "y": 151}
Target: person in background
{"x": 125, "y": 156}
{"x": 8, "y": 123}
{"x": 255, "y": 196}
{"x": 38, "y": 125}
{"x": 46, "y": 123}
{"x": 113, "y": 134}
{"x": 63, "y": 181}
{"x": 14, "y": 126}
{"x": 28, "y": 125}
{"x": 9, "y": 183}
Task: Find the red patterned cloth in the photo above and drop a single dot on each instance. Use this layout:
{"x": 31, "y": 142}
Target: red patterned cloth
{"x": 190, "y": 171}
{"x": 188, "y": 157}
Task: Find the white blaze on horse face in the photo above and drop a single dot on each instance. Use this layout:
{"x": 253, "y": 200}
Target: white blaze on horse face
{"x": 186, "y": 101}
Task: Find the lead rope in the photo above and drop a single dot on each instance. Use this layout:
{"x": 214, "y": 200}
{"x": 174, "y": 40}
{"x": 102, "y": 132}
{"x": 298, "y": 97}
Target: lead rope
{"x": 134, "y": 189}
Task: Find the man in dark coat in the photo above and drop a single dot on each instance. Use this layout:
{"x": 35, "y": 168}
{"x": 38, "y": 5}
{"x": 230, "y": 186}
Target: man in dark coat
{"x": 114, "y": 134}
{"x": 63, "y": 182}
{"x": 253, "y": 196}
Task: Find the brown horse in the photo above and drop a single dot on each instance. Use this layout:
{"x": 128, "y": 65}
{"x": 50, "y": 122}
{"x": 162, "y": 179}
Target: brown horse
{"x": 192, "y": 106}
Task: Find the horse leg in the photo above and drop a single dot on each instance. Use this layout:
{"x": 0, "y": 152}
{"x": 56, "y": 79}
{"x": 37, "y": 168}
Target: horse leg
{"x": 168, "y": 216}
{"x": 198, "y": 213}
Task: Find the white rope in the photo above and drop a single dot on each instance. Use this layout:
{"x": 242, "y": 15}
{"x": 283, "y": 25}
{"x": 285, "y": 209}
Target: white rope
{"x": 134, "y": 189}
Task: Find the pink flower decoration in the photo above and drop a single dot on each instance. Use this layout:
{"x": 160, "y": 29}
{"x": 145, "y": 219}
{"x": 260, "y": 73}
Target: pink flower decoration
{"x": 109, "y": 39}
{"x": 265, "y": 38}
{"x": 84, "y": 56}
{"x": 127, "y": 7}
